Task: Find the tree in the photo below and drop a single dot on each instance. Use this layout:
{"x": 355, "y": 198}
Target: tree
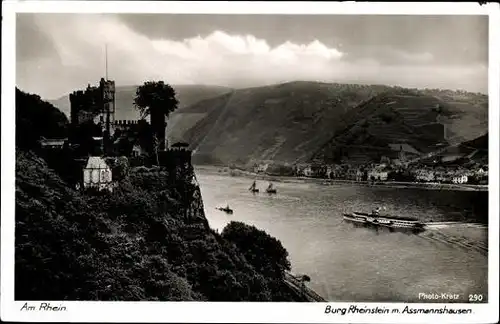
{"x": 36, "y": 118}
{"x": 264, "y": 252}
{"x": 156, "y": 99}
{"x": 156, "y": 145}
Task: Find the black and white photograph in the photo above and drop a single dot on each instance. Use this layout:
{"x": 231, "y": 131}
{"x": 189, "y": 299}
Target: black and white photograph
{"x": 252, "y": 157}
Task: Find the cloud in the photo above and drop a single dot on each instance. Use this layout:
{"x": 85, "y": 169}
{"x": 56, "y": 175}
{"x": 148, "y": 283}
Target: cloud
{"x": 389, "y": 56}
{"x": 219, "y": 58}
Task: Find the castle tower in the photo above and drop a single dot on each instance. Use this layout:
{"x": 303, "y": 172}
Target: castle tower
{"x": 84, "y": 104}
{"x": 108, "y": 105}
{"x": 95, "y": 104}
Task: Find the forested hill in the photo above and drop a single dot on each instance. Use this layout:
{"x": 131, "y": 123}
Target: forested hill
{"x": 36, "y": 118}
{"x": 147, "y": 240}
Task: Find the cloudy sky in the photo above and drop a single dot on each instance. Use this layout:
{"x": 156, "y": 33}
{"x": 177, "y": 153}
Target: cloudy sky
{"x": 57, "y": 53}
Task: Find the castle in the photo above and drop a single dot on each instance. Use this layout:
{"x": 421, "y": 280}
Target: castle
{"x": 95, "y": 108}
{"x": 97, "y": 105}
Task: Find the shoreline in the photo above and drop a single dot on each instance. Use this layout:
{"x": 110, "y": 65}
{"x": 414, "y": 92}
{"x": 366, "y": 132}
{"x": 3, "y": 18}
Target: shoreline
{"x": 378, "y": 184}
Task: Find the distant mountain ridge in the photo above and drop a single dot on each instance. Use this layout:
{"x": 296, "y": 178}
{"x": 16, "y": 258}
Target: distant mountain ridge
{"x": 301, "y": 121}
{"x": 186, "y": 94}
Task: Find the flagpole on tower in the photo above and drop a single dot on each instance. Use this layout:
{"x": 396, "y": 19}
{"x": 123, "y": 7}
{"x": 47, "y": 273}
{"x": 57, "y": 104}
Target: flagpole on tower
{"x": 106, "y": 53}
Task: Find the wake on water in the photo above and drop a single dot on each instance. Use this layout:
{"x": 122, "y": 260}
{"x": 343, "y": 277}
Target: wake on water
{"x": 434, "y": 233}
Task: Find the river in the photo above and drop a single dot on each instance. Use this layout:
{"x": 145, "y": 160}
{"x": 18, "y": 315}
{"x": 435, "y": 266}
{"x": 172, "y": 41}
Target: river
{"x": 346, "y": 263}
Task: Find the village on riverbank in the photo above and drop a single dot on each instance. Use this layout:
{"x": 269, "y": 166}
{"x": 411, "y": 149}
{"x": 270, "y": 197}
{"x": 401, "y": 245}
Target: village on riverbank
{"x": 441, "y": 171}
{"x": 453, "y": 167}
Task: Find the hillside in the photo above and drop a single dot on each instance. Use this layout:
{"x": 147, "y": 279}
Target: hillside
{"x": 35, "y": 118}
{"x": 278, "y": 123}
{"x": 480, "y": 143}
{"x": 186, "y": 94}
{"x": 134, "y": 244}
{"x": 299, "y": 121}
{"x": 479, "y": 148}
{"x": 466, "y": 113}
{"x": 474, "y": 152}
{"x": 148, "y": 239}
{"x": 398, "y": 117}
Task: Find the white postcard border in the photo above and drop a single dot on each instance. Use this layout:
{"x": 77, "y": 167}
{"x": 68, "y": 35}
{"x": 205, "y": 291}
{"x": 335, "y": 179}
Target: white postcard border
{"x": 242, "y": 311}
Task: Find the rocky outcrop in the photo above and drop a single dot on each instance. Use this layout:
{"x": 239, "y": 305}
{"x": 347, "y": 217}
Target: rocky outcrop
{"x": 196, "y": 210}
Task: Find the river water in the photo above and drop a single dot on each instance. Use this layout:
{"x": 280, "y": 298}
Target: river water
{"x": 346, "y": 263}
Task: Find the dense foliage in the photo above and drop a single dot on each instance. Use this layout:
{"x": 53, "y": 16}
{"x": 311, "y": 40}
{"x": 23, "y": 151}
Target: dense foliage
{"x": 155, "y": 97}
{"x": 264, "y": 252}
{"x": 136, "y": 243}
{"x": 36, "y": 118}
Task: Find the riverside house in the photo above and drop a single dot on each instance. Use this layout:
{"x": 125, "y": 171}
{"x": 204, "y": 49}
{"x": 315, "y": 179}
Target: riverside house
{"x": 440, "y": 176}
{"x": 329, "y": 171}
{"x": 351, "y": 174}
{"x": 379, "y": 173}
{"x": 261, "y": 167}
{"x": 425, "y": 175}
{"x": 460, "y": 179}
{"x": 334, "y": 171}
{"x": 359, "y": 175}
{"x": 481, "y": 173}
{"x": 308, "y": 171}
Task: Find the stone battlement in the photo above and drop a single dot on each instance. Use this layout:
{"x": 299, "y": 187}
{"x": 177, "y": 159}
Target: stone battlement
{"x": 125, "y": 122}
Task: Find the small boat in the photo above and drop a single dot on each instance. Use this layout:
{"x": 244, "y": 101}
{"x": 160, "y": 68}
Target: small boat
{"x": 392, "y": 223}
{"x": 270, "y": 189}
{"x": 253, "y": 187}
{"x": 226, "y": 209}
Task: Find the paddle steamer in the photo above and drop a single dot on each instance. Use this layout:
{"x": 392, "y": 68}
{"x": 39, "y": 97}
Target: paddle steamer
{"x": 393, "y": 223}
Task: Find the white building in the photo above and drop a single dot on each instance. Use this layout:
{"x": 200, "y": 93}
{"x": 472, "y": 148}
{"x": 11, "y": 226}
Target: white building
{"x": 379, "y": 175}
{"x": 460, "y": 179}
{"x": 329, "y": 170}
{"x": 262, "y": 167}
{"x": 359, "y": 175}
{"x": 425, "y": 175}
{"x": 308, "y": 172}
{"x": 481, "y": 172}
{"x": 97, "y": 174}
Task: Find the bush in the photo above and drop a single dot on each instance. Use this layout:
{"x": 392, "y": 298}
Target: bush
{"x": 36, "y": 118}
{"x": 264, "y": 252}
{"x": 133, "y": 244}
